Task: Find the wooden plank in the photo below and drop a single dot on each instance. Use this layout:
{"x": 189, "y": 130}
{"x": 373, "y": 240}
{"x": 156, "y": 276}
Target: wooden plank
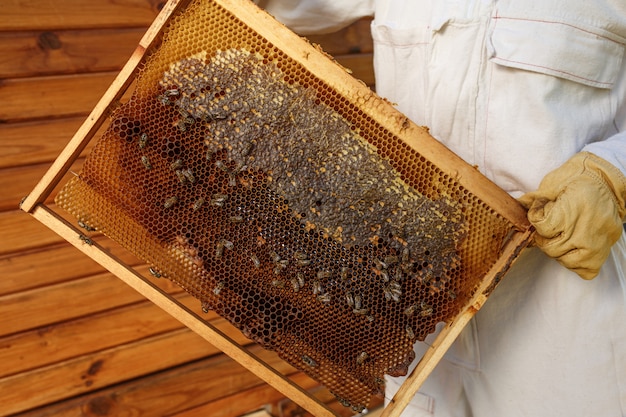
{"x": 52, "y": 304}
{"x": 77, "y": 14}
{"x": 244, "y": 401}
{"x": 51, "y": 97}
{"x": 165, "y": 393}
{"x": 53, "y": 264}
{"x": 35, "y": 142}
{"x": 20, "y": 232}
{"x": 87, "y": 334}
{"x": 86, "y": 373}
{"x": 19, "y": 181}
{"x": 30, "y": 54}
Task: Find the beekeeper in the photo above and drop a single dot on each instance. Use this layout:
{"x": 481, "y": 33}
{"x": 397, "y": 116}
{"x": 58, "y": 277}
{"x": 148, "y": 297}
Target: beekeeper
{"x": 532, "y": 93}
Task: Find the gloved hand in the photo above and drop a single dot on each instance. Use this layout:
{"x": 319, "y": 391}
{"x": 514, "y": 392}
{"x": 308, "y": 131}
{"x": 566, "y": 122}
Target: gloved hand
{"x": 578, "y": 212}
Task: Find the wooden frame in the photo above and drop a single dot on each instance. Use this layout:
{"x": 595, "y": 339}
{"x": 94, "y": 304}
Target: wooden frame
{"x": 340, "y": 80}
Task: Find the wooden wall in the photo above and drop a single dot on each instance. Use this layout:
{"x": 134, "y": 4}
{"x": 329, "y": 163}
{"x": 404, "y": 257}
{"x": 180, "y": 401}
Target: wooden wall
{"x": 75, "y": 340}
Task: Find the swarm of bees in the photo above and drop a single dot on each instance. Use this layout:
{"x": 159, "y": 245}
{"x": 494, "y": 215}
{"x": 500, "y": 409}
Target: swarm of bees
{"x": 286, "y": 221}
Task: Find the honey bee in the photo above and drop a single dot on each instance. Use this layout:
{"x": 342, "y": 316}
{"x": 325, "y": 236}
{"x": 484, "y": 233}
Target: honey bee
{"x": 274, "y": 257}
{"x": 426, "y": 310}
{"x": 171, "y": 201}
{"x": 205, "y": 307}
{"x": 218, "y": 288}
{"x": 146, "y": 162}
{"x": 227, "y": 244}
{"x": 218, "y": 200}
{"x": 177, "y": 164}
{"x": 181, "y": 177}
{"x": 361, "y": 358}
{"x": 222, "y": 166}
{"x": 350, "y": 299}
{"x": 173, "y": 92}
{"x": 324, "y": 298}
{"x": 344, "y": 273}
{"x": 143, "y": 140}
{"x": 361, "y": 312}
{"x": 300, "y": 278}
{"x": 309, "y": 361}
{"x": 316, "y": 286}
{"x": 393, "y": 291}
{"x": 85, "y": 239}
{"x": 295, "y": 284}
{"x": 236, "y": 219}
{"x": 198, "y": 203}
{"x": 188, "y": 173}
{"x": 357, "y": 302}
{"x": 154, "y": 272}
{"x": 86, "y": 226}
{"x": 219, "y": 250}
{"x": 323, "y": 274}
{"x": 409, "y": 331}
{"x": 277, "y": 283}
{"x": 255, "y": 260}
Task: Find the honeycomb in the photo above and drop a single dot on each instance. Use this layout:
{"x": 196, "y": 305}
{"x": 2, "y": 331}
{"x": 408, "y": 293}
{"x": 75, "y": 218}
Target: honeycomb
{"x": 279, "y": 204}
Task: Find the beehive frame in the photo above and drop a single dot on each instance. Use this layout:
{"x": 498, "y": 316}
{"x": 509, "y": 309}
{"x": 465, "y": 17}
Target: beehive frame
{"x": 319, "y": 64}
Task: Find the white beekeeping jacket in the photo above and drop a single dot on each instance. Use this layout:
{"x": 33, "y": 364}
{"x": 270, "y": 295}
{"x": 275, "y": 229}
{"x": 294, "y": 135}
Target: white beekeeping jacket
{"x": 515, "y": 88}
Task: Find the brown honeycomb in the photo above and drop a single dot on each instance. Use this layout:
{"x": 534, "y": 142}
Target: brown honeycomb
{"x": 279, "y": 204}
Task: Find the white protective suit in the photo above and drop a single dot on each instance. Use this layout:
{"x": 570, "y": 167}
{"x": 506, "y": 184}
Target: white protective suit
{"x": 515, "y": 88}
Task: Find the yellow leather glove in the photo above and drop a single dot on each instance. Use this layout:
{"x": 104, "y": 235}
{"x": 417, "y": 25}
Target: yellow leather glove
{"x": 578, "y": 212}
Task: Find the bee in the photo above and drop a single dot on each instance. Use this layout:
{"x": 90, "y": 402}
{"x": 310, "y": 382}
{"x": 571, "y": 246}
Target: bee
{"x": 300, "y": 278}
{"x": 362, "y": 312}
{"x": 409, "y": 331}
{"x": 317, "y": 287}
{"x": 324, "y": 298}
{"x": 222, "y": 166}
{"x": 146, "y": 162}
{"x": 379, "y": 264}
{"x": 362, "y": 357}
{"x": 85, "y": 239}
{"x": 452, "y": 294}
{"x": 277, "y": 283}
{"x": 181, "y": 176}
{"x": 295, "y": 284}
{"x": 274, "y": 257}
{"x": 393, "y": 291}
{"x": 357, "y": 302}
{"x": 350, "y": 299}
{"x": 218, "y": 288}
{"x": 426, "y": 310}
{"x": 154, "y": 272}
{"x": 344, "y": 273}
{"x": 188, "y": 173}
{"x": 143, "y": 140}
{"x": 236, "y": 219}
{"x": 209, "y": 155}
{"x": 227, "y": 244}
{"x": 232, "y": 180}
{"x": 86, "y": 226}
{"x": 198, "y": 203}
{"x": 323, "y": 274}
{"x": 309, "y": 361}
{"x": 177, "y": 164}
{"x": 219, "y": 200}
{"x": 255, "y": 260}
{"x": 173, "y": 92}
{"x": 410, "y": 310}
{"x": 219, "y": 250}
{"x": 171, "y": 201}
{"x": 205, "y": 307}
{"x": 391, "y": 260}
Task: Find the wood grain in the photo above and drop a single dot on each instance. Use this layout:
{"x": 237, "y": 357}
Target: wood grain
{"x": 77, "y": 14}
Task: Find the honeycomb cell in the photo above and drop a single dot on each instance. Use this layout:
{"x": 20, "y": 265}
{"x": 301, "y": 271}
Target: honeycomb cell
{"x": 281, "y": 205}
